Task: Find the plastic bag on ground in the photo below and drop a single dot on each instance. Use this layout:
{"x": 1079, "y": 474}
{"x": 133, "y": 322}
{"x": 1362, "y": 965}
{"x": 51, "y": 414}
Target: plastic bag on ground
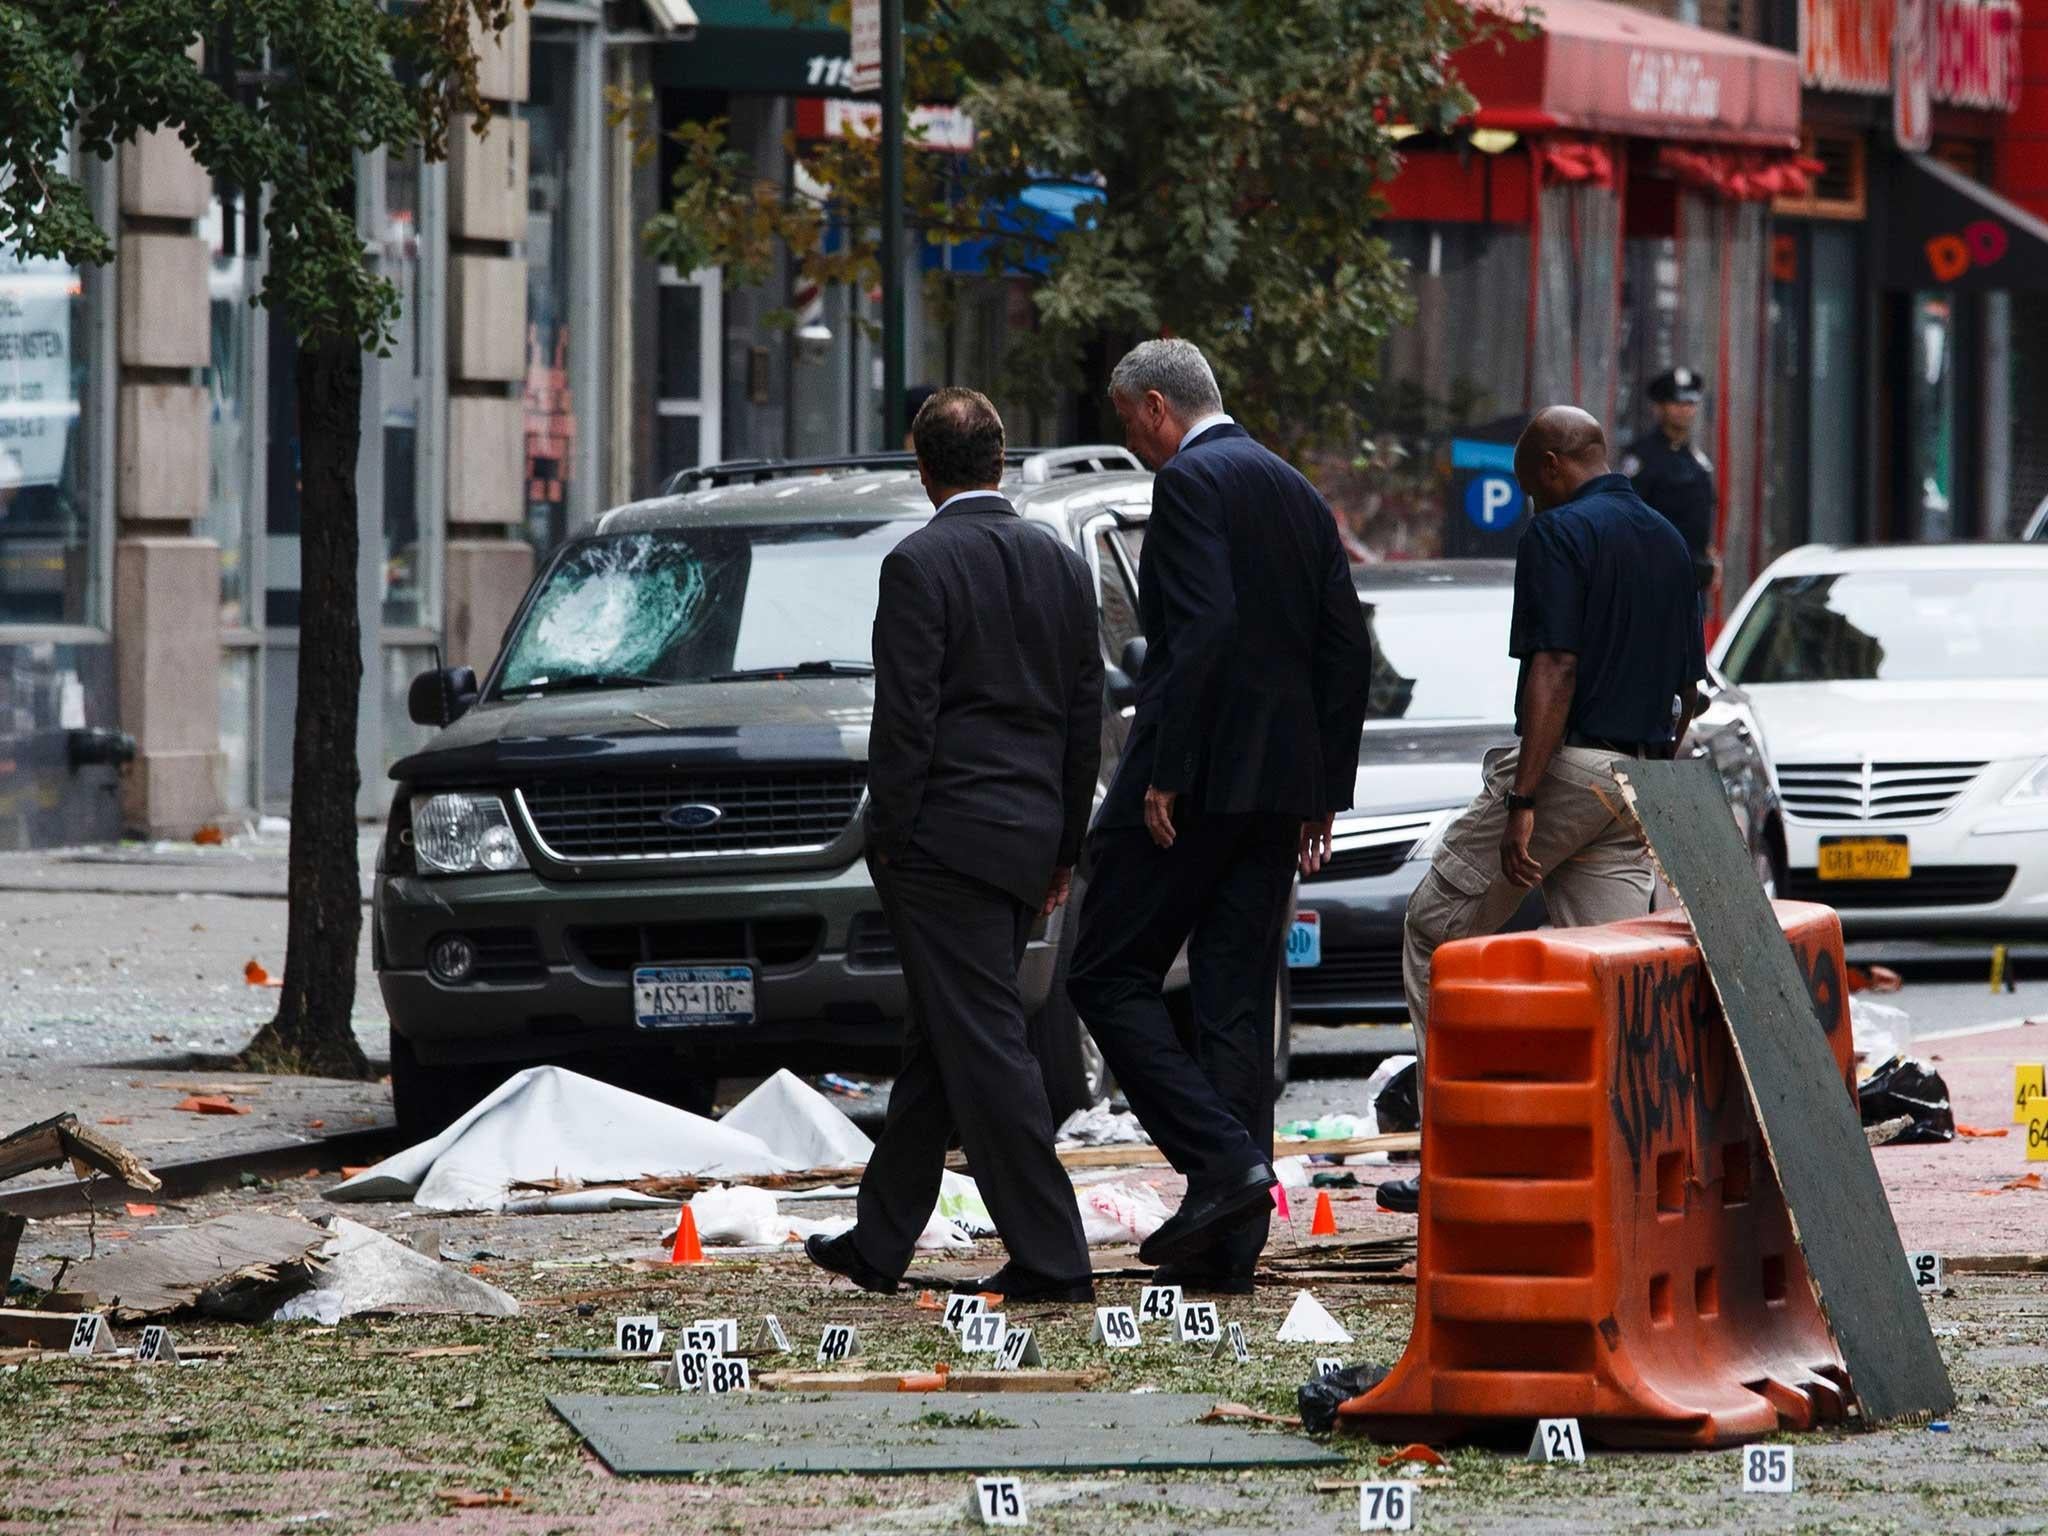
{"x": 1318, "y": 1401}
{"x": 1292, "y": 1172}
{"x": 738, "y": 1215}
{"x": 1903, "y": 1087}
{"x": 1120, "y": 1213}
{"x": 1101, "y": 1126}
{"x": 1392, "y": 1091}
{"x": 960, "y": 1202}
{"x": 1878, "y": 1031}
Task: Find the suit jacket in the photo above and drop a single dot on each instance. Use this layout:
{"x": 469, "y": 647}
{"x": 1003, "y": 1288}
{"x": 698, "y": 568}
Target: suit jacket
{"x": 988, "y": 699}
{"x": 1257, "y": 663}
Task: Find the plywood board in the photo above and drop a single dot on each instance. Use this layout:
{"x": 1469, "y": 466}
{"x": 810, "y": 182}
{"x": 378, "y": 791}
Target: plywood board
{"x": 679, "y": 1435}
{"x": 238, "y": 1265}
{"x": 1811, "y": 1130}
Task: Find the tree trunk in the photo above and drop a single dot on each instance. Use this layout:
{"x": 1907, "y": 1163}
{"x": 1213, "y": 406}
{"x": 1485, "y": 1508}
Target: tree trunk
{"x": 312, "y": 1031}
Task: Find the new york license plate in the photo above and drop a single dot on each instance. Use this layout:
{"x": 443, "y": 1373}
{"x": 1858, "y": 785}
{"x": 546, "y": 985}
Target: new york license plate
{"x": 1865, "y": 858}
{"x": 692, "y": 996}
{"x": 1305, "y": 941}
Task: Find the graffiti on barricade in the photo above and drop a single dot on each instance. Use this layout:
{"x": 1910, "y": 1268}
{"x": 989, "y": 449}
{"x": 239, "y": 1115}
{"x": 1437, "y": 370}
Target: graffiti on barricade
{"x": 1671, "y": 1071}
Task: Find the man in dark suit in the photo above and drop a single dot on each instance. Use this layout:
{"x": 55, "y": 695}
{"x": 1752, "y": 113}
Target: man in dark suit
{"x": 1243, "y": 748}
{"x": 981, "y": 771}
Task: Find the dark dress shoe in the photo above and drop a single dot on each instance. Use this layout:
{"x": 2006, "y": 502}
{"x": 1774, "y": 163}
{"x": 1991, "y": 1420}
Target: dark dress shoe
{"x": 1207, "y": 1213}
{"x": 1403, "y": 1195}
{"x": 840, "y": 1256}
{"x": 1203, "y": 1282}
{"x": 1014, "y": 1283}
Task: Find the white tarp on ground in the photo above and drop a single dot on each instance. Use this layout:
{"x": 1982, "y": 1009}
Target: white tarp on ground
{"x": 800, "y": 1123}
{"x": 550, "y": 1123}
{"x": 365, "y": 1271}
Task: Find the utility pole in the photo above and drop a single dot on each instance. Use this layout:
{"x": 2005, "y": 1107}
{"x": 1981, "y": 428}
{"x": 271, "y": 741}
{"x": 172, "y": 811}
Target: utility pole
{"x": 893, "y": 382}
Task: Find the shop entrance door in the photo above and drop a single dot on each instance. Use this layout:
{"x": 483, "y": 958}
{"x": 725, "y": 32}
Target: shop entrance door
{"x": 687, "y": 427}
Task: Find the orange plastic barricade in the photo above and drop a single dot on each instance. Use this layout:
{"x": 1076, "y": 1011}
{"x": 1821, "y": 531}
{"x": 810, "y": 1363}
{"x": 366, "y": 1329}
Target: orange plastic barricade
{"x": 1602, "y": 1235}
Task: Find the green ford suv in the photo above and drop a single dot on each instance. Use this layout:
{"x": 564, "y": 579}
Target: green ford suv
{"x": 636, "y": 848}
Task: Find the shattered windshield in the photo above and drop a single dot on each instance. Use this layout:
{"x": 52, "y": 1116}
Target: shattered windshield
{"x": 685, "y": 605}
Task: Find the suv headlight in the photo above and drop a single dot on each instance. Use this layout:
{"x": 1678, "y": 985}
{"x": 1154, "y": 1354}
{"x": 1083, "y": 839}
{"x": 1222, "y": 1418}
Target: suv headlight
{"x": 464, "y": 835}
{"x": 2032, "y": 788}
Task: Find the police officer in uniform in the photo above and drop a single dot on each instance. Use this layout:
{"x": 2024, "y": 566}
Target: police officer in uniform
{"x": 1671, "y": 473}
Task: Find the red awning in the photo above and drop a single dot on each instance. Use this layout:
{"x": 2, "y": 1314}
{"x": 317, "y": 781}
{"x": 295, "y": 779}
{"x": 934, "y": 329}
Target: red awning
{"x": 1607, "y": 68}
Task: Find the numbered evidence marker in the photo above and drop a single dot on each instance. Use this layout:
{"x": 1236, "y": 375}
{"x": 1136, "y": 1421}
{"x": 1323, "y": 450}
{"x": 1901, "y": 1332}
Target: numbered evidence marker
{"x": 705, "y": 1336}
{"x": 1926, "y": 1270}
{"x": 1234, "y": 1341}
{"x": 1019, "y": 1349}
{"x": 1767, "y": 1469}
{"x": 1386, "y": 1506}
{"x": 1328, "y": 1366}
{"x": 693, "y": 1369}
{"x": 2037, "y": 1130}
{"x": 960, "y": 1307}
{"x": 771, "y": 1335}
{"x": 2029, "y": 1084}
{"x": 727, "y": 1329}
{"x": 837, "y": 1344}
{"x": 1116, "y": 1327}
{"x": 981, "y": 1333}
{"x": 725, "y": 1376}
{"x": 156, "y": 1347}
{"x": 1000, "y": 1501}
{"x": 1196, "y": 1323}
{"x": 1159, "y": 1303}
{"x": 637, "y": 1336}
{"x": 1558, "y": 1440}
{"x": 90, "y": 1336}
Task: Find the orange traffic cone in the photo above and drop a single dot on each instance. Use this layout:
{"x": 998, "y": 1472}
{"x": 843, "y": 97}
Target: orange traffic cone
{"x": 688, "y": 1250}
{"x": 1325, "y": 1223}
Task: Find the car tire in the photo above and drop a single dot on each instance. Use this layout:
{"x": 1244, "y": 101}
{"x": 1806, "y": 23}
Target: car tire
{"x": 427, "y": 1098}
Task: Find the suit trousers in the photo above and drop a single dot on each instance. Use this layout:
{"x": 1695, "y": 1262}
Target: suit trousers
{"x": 1596, "y": 867}
{"x": 966, "y": 1065}
{"x": 1204, "y": 1095}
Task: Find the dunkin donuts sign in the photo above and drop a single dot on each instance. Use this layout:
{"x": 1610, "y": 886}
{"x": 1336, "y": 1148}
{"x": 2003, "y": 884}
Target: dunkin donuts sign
{"x": 1961, "y": 53}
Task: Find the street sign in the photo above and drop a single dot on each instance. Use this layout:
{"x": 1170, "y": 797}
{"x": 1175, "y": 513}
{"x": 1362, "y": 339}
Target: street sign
{"x": 867, "y": 46}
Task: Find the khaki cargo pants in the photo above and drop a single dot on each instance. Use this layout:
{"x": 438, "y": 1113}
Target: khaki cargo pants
{"x": 1596, "y": 868}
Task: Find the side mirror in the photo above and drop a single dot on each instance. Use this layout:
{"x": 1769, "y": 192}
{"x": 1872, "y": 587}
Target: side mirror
{"x": 1123, "y": 693}
{"x": 1133, "y": 658}
{"x": 441, "y": 697}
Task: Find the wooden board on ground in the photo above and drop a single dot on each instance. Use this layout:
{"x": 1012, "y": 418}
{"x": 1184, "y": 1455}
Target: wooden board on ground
{"x": 62, "y": 1139}
{"x": 233, "y": 1266}
{"x": 1811, "y": 1131}
{"x": 44, "y": 1330}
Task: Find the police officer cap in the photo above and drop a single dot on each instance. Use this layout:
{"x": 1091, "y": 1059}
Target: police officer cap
{"x": 1683, "y": 385}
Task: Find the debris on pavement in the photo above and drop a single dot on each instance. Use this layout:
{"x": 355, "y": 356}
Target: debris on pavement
{"x": 1903, "y": 1087}
{"x": 238, "y": 1267}
{"x": 365, "y": 1271}
{"x": 62, "y": 1139}
{"x": 1100, "y": 1126}
{"x": 467, "y": 1498}
{"x": 1243, "y": 1413}
{"x": 202, "y": 1104}
{"x": 551, "y": 1123}
{"x": 1121, "y": 1213}
{"x": 1320, "y": 1398}
{"x": 799, "y": 1124}
{"x": 1878, "y": 1031}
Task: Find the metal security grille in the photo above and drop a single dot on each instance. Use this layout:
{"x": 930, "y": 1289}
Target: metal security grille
{"x": 1868, "y": 791}
{"x": 778, "y": 810}
{"x": 1361, "y": 863}
{"x": 773, "y": 943}
{"x": 1930, "y": 885}
{"x": 1349, "y": 976}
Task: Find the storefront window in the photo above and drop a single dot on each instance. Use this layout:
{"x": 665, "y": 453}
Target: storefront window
{"x": 230, "y": 282}
{"x": 402, "y": 386}
{"x": 45, "y": 520}
{"x": 552, "y": 411}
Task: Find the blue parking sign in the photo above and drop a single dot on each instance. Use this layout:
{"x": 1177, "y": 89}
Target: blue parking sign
{"x": 1493, "y": 502}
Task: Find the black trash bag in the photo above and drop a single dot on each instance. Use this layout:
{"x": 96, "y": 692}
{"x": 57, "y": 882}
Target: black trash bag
{"x": 1319, "y": 1400}
{"x": 1905, "y": 1087}
{"x": 1397, "y": 1108}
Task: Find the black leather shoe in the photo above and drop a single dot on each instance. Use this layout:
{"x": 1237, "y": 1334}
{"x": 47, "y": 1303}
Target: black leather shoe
{"x": 1402, "y": 1195}
{"x": 1206, "y": 1214}
{"x": 840, "y": 1256}
{"x": 1014, "y": 1283}
{"x": 1206, "y": 1283}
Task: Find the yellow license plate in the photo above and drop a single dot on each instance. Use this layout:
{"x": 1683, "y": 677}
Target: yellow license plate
{"x": 1864, "y": 858}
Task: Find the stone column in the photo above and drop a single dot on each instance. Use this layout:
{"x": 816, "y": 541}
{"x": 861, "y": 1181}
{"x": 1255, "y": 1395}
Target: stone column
{"x": 489, "y": 561}
{"x": 166, "y": 577}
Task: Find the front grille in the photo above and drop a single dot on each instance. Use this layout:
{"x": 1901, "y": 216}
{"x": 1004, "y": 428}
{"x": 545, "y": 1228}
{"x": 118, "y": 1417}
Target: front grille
{"x": 1930, "y": 885}
{"x": 769, "y": 942}
{"x": 759, "y": 812}
{"x": 1349, "y": 975}
{"x": 870, "y": 946}
{"x": 1359, "y": 863}
{"x": 1866, "y": 791}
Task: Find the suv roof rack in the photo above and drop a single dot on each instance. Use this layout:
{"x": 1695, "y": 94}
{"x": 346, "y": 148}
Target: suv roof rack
{"x": 1035, "y": 465}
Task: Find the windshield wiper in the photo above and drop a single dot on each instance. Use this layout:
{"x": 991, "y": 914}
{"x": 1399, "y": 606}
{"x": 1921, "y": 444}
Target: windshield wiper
{"x": 586, "y": 680}
{"x": 797, "y": 669}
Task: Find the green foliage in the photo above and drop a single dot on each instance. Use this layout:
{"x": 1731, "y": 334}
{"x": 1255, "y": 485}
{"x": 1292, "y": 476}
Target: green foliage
{"x": 1241, "y": 146}
{"x": 311, "y": 85}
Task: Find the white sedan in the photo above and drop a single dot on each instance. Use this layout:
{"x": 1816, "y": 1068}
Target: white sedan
{"x": 1903, "y": 691}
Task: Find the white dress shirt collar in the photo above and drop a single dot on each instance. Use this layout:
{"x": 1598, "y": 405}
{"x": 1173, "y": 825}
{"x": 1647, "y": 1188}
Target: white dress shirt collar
{"x": 963, "y": 496}
{"x": 1213, "y": 419}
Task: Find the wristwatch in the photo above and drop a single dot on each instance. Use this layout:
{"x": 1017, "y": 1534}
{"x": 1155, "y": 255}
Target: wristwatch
{"x": 1521, "y": 802}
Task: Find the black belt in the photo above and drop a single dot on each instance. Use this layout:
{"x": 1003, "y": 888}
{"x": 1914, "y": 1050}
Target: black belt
{"x": 1620, "y": 748}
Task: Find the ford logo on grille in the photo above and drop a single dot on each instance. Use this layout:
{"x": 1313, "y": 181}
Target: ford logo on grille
{"x": 691, "y": 818}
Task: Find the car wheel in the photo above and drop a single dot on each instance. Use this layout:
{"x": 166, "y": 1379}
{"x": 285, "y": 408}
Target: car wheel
{"x": 427, "y": 1098}
{"x": 1283, "y": 1030}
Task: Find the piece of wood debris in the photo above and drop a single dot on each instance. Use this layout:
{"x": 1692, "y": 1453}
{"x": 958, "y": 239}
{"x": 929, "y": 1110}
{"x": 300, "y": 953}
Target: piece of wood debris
{"x": 62, "y": 1139}
{"x": 238, "y": 1266}
{"x": 431, "y": 1351}
{"x": 469, "y": 1498}
{"x": 44, "y": 1330}
{"x": 1241, "y": 1413}
{"x": 1353, "y": 1484}
{"x": 1996, "y": 1263}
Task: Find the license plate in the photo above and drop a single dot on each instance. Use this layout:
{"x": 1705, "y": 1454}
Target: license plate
{"x": 691, "y": 996}
{"x": 1864, "y": 858}
{"x": 1305, "y": 941}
